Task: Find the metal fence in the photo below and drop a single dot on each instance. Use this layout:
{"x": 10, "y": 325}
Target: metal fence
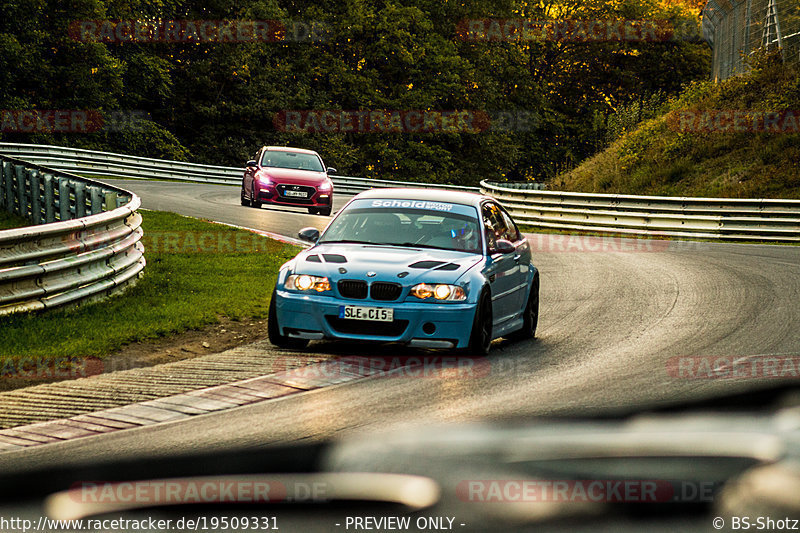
{"x": 85, "y": 243}
{"x": 737, "y": 28}
{"x": 92, "y": 163}
{"x": 665, "y": 216}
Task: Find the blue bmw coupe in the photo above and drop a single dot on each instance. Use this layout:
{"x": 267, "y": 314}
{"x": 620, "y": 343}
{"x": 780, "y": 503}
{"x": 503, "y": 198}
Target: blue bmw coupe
{"x": 429, "y": 268}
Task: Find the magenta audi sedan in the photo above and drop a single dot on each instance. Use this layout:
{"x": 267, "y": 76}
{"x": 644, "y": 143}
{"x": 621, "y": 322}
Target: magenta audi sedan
{"x": 286, "y": 176}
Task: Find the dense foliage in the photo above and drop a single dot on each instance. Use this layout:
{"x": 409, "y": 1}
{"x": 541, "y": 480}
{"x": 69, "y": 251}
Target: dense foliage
{"x": 215, "y": 102}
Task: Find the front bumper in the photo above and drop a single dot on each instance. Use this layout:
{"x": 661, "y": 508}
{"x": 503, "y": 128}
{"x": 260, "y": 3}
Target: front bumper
{"x": 314, "y": 316}
{"x": 270, "y": 195}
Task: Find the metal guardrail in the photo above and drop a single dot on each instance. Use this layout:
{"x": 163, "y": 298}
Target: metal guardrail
{"x": 94, "y": 163}
{"x": 715, "y": 218}
{"x": 85, "y": 244}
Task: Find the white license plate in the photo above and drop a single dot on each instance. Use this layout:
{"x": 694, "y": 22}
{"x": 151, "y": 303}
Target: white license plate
{"x": 296, "y": 194}
{"x": 377, "y": 314}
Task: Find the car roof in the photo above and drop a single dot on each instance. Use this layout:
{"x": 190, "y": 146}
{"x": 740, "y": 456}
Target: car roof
{"x": 431, "y": 195}
{"x": 290, "y": 149}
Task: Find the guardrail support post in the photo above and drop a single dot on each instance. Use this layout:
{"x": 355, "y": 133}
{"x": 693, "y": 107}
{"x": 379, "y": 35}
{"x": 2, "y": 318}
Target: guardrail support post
{"x": 22, "y": 202}
{"x": 63, "y": 200}
{"x": 96, "y": 199}
{"x": 80, "y": 200}
{"x": 8, "y": 177}
{"x": 36, "y": 197}
{"x": 49, "y": 199}
{"x": 3, "y": 200}
{"x": 111, "y": 200}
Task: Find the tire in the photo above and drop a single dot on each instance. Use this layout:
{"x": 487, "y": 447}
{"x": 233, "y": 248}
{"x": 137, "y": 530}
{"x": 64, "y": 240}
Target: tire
{"x": 245, "y": 201}
{"x": 480, "y": 338}
{"x": 324, "y": 211}
{"x": 530, "y": 315}
{"x": 253, "y": 202}
{"x": 274, "y": 332}
{"x": 313, "y": 211}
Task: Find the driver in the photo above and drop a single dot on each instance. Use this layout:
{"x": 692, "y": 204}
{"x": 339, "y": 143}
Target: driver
{"x": 464, "y": 237}
{"x": 382, "y": 227}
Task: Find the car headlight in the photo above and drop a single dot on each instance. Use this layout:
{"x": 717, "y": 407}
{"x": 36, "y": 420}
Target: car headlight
{"x": 304, "y": 282}
{"x": 325, "y": 186}
{"x": 439, "y": 291}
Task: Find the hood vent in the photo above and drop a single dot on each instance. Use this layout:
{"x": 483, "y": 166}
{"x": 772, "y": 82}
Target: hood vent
{"x": 436, "y": 265}
{"x": 334, "y": 258}
{"x": 426, "y": 264}
{"x": 329, "y": 258}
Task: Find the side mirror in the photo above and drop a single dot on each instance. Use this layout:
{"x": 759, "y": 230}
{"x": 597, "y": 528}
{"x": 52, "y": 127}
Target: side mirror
{"x": 331, "y": 170}
{"x": 251, "y": 163}
{"x": 504, "y": 247}
{"x": 309, "y": 235}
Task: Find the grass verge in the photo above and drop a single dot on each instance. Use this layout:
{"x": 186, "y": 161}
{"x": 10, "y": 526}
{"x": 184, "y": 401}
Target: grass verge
{"x": 197, "y": 272}
{"x": 9, "y": 221}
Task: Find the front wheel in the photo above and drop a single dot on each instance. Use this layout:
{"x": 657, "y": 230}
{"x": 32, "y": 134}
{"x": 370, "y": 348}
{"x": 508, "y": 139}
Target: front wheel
{"x": 253, "y": 202}
{"x": 530, "y": 315}
{"x": 274, "y": 331}
{"x": 324, "y": 211}
{"x": 480, "y": 338}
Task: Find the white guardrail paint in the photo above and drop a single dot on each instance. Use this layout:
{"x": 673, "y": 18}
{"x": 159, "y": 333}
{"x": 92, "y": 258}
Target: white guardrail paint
{"x": 85, "y": 243}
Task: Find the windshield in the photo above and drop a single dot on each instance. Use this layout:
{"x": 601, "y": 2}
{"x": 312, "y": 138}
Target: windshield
{"x": 292, "y": 160}
{"x": 406, "y": 227}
